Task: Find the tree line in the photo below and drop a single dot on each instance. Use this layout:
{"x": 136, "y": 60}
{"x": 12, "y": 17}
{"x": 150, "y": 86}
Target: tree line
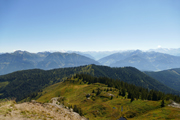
{"x": 129, "y": 90}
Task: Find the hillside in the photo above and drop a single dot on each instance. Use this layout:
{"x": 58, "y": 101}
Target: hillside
{"x": 170, "y": 77}
{"x": 98, "y": 101}
{"x": 131, "y": 75}
{"x": 23, "y": 83}
{"x": 149, "y": 61}
{"x": 23, "y": 60}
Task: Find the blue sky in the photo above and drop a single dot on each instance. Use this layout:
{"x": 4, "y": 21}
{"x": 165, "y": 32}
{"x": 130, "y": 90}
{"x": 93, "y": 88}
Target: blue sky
{"x": 88, "y": 25}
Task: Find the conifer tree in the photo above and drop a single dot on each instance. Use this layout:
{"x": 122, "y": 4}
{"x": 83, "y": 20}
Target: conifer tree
{"x": 149, "y": 97}
{"x": 98, "y": 91}
{"x": 123, "y": 92}
{"x": 132, "y": 99}
{"x": 75, "y": 108}
{"x": 119, "y": 92}
{"x": 107, "y": 90}
{"x": 129, "y": 95}
{"x": 111, "y": 97}
{"x": 93, "y": 91}
{"x": 162, "y": 103}
{"x": 154, "y": 96}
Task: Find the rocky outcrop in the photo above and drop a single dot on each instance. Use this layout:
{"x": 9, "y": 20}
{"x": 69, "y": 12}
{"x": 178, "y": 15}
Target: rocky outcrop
{"x": 174, "y": 104}
{"x": 37, "y": 111}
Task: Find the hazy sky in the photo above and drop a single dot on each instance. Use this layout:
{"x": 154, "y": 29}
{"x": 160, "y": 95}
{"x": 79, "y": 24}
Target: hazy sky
{"x": 88, "y": 25}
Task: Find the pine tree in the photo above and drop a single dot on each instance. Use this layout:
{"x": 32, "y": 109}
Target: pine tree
{"x": 129, "y": 95}
{"x": 93, "y": 91}
{"x": 75, "y": 108}
{"x": 123, "y": 92}
{"x": 111, "y": 97}
{"x": 132, "y": 99}
{"x": 107, "y": 90}
{"x": 149, "y": 97}
{"x": 80, "y": 112}
{"x": 154, "y": 96}
{"x": 119, "y": 93}
{"x": 162, "y": 103}
{"x": 98, "y": 91}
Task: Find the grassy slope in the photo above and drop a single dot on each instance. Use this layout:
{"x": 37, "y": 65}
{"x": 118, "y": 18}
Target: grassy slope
{"x": 102, "y": 107}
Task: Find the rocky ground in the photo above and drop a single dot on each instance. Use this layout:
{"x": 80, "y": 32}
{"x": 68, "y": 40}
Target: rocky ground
{"x": 9, "y": 110}
{"x": 174, "y": 104}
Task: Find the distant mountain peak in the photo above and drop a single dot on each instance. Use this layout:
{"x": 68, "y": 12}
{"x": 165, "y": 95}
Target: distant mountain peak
{"x": 137, "y": 51}
{"x": 20, "y": 52}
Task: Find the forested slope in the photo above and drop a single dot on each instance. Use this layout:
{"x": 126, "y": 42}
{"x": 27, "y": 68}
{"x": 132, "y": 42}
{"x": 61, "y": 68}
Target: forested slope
{"x": 170, "y": 77}
{"x": 22, "y": 83}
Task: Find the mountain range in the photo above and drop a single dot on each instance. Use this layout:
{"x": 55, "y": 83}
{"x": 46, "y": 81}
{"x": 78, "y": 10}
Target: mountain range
{"x": 97, "y": 55}
{"x": 22, "y": 60}
{"x": 171, "y": 51}
{"x": 144, "y": 61}
{"x": 150, "y": 61}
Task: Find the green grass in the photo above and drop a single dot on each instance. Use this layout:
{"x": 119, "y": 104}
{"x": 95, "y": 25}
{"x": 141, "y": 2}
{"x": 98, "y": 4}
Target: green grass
{"x": 161, "y": 113}
{"x": 102, "y": 107}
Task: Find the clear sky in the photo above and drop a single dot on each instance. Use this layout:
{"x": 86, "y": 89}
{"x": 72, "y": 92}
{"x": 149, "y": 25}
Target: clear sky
{"x": 88, "y": 25}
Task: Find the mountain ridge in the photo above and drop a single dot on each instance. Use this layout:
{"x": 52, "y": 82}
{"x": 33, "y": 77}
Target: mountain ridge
{"x": 154, "y": 61}
{"x": 144, "y": 61}
{"x": 22, "y": 60}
